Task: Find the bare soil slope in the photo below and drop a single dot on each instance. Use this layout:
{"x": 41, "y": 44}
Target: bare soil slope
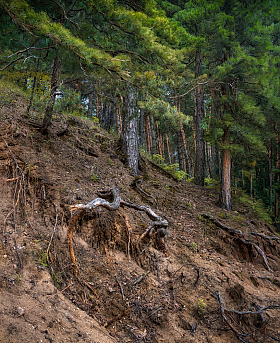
{"x": 128, "y": 289}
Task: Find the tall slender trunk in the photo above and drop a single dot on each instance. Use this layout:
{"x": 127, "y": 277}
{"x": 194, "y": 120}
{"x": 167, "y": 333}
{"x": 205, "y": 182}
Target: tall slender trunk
{"x": 129, "y": 136}
{"x": 187, "y": 157}
{"x": 148, "y": 134}
{"x": 277, "y": 167}
{"x": 270, "y": 174}
{"x": 141, "y": 129}
{"x": 225, "y": 191}
{"x": 153, "y": 133}
{"x": 168, "y": 149}
{"x": 33, "y": 88}
{"x": 199, "y": 173}
{"x": 90, "y": 100}
{"x": 179, "y": 149}
{"x": 54, "y": 84}
{"x": 212, "y": 161}
{"x": 118, "y": 118}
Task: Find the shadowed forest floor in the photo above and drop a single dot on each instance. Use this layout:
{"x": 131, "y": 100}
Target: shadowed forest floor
{"x": 127, "y": 290}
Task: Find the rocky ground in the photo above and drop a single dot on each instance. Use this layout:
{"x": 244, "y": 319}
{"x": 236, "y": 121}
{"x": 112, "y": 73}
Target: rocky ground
{"x": 127, "y": 288}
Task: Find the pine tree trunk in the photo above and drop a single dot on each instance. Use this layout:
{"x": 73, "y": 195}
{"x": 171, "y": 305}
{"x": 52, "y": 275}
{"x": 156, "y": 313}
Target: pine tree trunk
{"x": 225, "y": 191}
{"x": 148, "y": 134}
{"x": 141, "y": 129}
{"x": 90, "y": 100}
{"x": 199, "y": 172}
{"x": 129, "y": 136}
{"x": 168, "y": 150}
{"x": 179, "y": 149}
{"x": 212, "y": 161}
{"x": 54, "y": 84}
{"x": 270, "y": 174}
{"x": 33, "y": 88}
{"x": 153, "y": 134}
{"x": 277, "y": 167}
{"x": 187, "y": 157}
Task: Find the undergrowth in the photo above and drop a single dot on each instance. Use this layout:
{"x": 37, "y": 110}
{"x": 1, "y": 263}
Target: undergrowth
{"x": 256, "y": 206}
{"x": 9, "y": 92}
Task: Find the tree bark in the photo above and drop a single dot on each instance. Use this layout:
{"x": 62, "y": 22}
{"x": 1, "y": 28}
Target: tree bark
{"x": 179, "y": 149}
{"x": 129, "y": 136}
{"x": 153, "y": 133}
{"x": 54, "y": 84}
{"x": 168, "y": 149}
{"x": 188, "y": 161}
{"x": 33, "y": 88}
{"x": 225, "y": 191}
{"x": 141, "y": 129}
{"x": 199, "y": 172}
{"x": 270, "y": 175}
{"x": 277, "y": 167}
{"x": 90, "y": 100}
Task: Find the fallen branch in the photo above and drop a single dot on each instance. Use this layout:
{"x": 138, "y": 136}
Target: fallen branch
{"x": 55, "y": 225}
{"x": 239, "y": 234}
{"x": 141, "y": 277}
{"x": 233, "y": 232}
{"x": 123, "y": 298}
{"x": 226, "y": 320}
{"x": 273, "y": 238}
{"x": 139, "y": 181}
{"x": 260, "y": 251}
{"x": 259, "y": 311}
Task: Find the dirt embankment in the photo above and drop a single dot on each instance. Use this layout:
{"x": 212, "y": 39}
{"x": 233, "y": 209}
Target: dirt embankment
{"x": 127, "y": 289}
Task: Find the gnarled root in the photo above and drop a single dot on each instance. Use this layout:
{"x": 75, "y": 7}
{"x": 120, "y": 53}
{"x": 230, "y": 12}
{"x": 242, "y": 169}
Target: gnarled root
{"x": 158, "y": 225}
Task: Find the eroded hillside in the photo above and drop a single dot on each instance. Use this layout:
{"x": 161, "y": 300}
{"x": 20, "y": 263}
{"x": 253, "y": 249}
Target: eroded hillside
{"x": 219, "y": 264}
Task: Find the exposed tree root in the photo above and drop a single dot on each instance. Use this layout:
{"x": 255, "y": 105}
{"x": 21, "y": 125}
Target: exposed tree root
{"x": 19, "y": 190}
{"x": 76, "y": 216}
{"x": 137, "y": 183}
{"x": 159, "y": 225}
{"x": 273, "y": 238}
{"x": 231, "y": 323}
{"x": 240, "y": 235}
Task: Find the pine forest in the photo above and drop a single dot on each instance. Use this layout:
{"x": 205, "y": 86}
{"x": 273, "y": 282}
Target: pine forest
{"x": 190, "y": 88}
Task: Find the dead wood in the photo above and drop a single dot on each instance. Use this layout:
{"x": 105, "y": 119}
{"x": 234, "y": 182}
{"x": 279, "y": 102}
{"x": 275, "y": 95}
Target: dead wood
{"x": 137, "y": 183}
{"x": 231, "y": 231}
{"x": 239, "y": 234}
{"x": 273, "y": 238}
{"x": 227, "y": 321}
{"x": 140, "y": 278}
{"x": 225, "y": 313}
{"x": 55, "y": 225}
{"x": 123, "y": 298}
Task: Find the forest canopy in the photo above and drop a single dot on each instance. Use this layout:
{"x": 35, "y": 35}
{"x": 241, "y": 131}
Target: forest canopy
{"x": 194, "y": 85}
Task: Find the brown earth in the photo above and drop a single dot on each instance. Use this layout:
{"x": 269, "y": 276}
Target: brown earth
{"x": 175, "y": 301}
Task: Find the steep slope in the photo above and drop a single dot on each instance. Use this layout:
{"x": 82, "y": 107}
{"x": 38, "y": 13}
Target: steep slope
{"x": 127, "y": 289}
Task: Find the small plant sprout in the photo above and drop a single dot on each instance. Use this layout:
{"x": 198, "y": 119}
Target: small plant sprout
{"x": 194, "y": 247}
{"x": 94, "y": 177}
{"x": 201, "y": 307}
